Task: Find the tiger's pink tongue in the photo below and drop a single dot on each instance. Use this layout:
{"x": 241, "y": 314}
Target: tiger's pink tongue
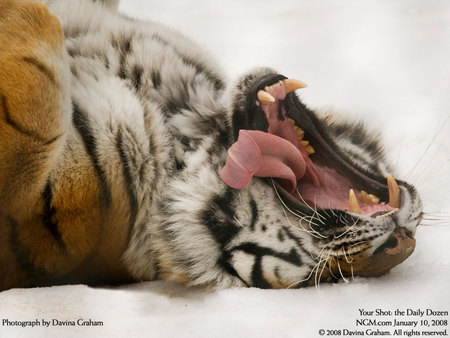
{"x": 264, "y": 155}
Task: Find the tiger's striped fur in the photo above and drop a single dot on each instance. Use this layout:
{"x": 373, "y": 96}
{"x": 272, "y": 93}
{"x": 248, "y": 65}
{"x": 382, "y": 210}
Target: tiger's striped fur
{"x": 113, "y": 132}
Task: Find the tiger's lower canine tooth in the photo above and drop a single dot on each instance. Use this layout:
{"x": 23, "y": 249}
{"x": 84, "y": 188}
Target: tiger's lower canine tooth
{"x": 265, "y": 97}
{"x": 290, "y": 85}
{"x": 353, "y": 203}
{"x": 394, "y": 192}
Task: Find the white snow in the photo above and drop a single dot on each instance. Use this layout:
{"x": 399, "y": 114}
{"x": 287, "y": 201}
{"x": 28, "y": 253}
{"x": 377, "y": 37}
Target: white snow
{"x": 384, "y": 61}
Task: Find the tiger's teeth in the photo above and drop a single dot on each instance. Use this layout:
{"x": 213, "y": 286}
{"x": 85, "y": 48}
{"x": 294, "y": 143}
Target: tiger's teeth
{"x": 310, "y": 150}
{"x": 304, "y": 143}
{"x": 364, "y": 197}
{"x": 394, "y": 192}
{"x": 290, "y": 85}
{"x": 299, "y": 131}
{"x": 374, "y": 199}
{"x": 368, "y": 199}
{"x": 265, "y": 97}
{"x": 353, "y": 203}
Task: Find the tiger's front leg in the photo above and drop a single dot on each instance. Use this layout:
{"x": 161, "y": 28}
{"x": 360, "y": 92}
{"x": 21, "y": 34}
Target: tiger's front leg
{"x": 34, "y": 116}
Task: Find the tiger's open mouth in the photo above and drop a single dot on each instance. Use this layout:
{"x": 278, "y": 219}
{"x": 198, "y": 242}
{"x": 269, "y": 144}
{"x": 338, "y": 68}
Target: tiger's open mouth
{"x": 283, "y": 139}
{"x": 277, "y": 136}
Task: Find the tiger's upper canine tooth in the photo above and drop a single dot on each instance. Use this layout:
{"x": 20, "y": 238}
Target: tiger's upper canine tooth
{"x": 290, "y": 85}
{"x": 353, "y": 203}
{"x": 265, "y": 97}
{"x": 394, "y": 192}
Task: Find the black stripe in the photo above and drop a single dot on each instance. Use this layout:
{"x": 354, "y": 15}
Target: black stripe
{"x": 223, "y": 230}
{"x": 297, "y": 240}
{"x": 156, "y": 78}
{"x": 42, "y": 68}
{"x": 225, "y": 263}
{"x": 254, "y": 249}
{"x": 171, "y": 107}
{"x": 123, "y": 44}
{"x": 122, "y": 71}
{"x": 21, "y": 129}
{"x": 200, "y": 68}
{"x": 292, "y": 236}
{"x": 129, "y": 183}
{"x": 47, "y": 216}
{"x": 136, "y": 77}
{"x": 259, "y": 252}
{"x": 225, "y": 202}
{"x": 254, "y": 209}
{"x": 81, "y": 123}
{"x": 219, "y": 218}
{"x": 258, "y": 279}
{"x": 280, "y": 235}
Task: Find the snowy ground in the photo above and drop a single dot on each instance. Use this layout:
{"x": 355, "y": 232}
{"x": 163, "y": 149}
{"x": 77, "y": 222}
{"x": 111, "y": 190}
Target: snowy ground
{"x": 384, "y": 61}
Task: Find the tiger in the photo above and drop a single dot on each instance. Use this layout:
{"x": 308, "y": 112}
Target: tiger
{"x": 127, "y": 155}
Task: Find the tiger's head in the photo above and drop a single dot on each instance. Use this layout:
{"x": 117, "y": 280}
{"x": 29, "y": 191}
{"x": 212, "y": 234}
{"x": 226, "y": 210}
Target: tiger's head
{"x": 318, "y": 194}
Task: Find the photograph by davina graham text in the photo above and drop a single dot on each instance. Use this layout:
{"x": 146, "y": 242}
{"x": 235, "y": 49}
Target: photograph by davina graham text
{"x": 51, "y": 322}
{"x": 164, "y": 164}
